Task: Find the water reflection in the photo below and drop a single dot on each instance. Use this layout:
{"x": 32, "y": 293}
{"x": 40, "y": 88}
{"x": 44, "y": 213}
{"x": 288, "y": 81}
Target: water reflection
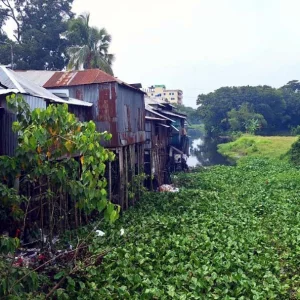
{"x": 203, "y": 152}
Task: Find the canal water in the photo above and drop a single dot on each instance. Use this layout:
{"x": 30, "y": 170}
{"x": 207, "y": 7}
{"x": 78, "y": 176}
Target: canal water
{"x": 203, "y": 152}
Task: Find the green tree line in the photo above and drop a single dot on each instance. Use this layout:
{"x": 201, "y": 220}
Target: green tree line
{"x": 48, "y": 36}
{"x": 261, "y": 109}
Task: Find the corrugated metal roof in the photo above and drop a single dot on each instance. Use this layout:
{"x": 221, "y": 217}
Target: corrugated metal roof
{"x": 90, "y": 76}
{"x": 163, "y": 125}
{"x": 14, "y": 80}
{"x": 8, "y": 91}
{"x": 155, "y": 101}
{"x": 176, "y": 129}
{"x": 74, "y": 101}
{"x": 53, "y": 79}
{"x": 150, "y": 109}
{"x": 154, "y": 119}
{"x": 173, "y": 114}
{"x": 38, "y": 77}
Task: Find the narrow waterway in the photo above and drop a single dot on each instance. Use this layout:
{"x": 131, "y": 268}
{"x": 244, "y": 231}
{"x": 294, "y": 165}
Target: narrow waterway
{"x": 203, "y": 152}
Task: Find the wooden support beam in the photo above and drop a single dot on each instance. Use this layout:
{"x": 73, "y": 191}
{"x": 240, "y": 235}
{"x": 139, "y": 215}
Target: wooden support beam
{"x": 126, "y": 176}
{"x": 132, "y": 170}
{"x": 138, "y": 161}
{"x": 121, "y": 178}
{"x": 109, "y": 181}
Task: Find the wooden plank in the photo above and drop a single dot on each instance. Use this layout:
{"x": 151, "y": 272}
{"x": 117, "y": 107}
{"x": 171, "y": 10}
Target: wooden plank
{"x": 138, "y": 167}
{"x": 133, "y": 175}
{"x": 126, "y": 175}
{"x": 109, "y": 181}
{"x": 121, "y": 178}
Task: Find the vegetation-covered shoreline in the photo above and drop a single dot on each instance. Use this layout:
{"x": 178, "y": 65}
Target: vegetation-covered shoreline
{"x": 257, "y": 146}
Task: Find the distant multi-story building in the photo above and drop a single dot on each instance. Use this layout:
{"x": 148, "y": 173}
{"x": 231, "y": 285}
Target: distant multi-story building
{"x": 160, "y": 91}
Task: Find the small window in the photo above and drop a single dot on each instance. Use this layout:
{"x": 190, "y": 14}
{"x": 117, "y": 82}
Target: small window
{"x": 151, "y": 94}
{"x": 164, "y": 94}
{"x": 170, "y": 93}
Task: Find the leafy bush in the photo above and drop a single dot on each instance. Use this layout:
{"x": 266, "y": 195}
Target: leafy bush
{"x": 295, "y": 130}
{"x": 294, "y": 153}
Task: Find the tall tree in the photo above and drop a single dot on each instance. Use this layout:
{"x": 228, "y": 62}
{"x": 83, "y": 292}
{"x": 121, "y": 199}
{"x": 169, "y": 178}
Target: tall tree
{"x": 192, "y": 115}
{"x": 239, "y": 119}
{"x": 89, "y": 46}
{"x": 38, "y": 35}
{"x": 293, "y": 85}
{"x": 263, "y": 100}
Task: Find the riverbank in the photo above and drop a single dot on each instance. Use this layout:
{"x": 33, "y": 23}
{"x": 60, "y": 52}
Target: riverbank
{"x": 257, "y": 146}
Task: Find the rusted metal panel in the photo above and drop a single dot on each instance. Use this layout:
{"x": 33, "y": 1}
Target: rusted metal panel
{"x": 116, "y": 109}
{"x": 8, "y": 139}
{"x": 131, "y": 116}
{"x": 78, "y": 94}
{"x": 74, "y": 78}
{"x": 84, "y": 77}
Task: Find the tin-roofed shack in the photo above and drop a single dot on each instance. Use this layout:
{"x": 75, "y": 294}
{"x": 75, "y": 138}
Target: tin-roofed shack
{"x": 117, "y": 108}
{"x": 175, "y": 149}
{"x": 37, "y": 97}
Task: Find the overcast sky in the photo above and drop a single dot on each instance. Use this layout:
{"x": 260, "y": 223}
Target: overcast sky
{"x": 201, "y": 45}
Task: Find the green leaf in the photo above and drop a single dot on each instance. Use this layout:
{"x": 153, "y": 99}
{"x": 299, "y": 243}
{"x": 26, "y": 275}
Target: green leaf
{"x": 59, "y": 275}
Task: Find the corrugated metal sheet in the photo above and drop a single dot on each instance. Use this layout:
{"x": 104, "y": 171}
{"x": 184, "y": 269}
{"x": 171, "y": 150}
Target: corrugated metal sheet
{"x": 8, "y": 139}
{"x": 8, "y": 91}
{"x": 35, "y": 102}
{"x": 172, "y": 114}
{"x": 154, "y": 118}
{"x": 150, "y": 110}
{"x": 73, "y": 101}
{"x": 84, "y": 77}
{"x": 131, "y": 125}
{"x": 38, "y": 77}
{"x": 116, "y": 109}
{"x": 13, "y": 80}
{"x": 163, "y": 125}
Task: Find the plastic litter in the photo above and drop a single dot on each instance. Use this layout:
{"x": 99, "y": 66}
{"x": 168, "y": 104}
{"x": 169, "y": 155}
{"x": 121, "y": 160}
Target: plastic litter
{"x": 100, "y": 233}
{"x": 168, "y": 188}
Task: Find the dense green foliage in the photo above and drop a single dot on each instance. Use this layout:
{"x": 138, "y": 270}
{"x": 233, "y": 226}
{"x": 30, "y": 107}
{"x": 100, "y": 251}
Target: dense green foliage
{"x": 47, "y": 35}
{"x": 294, "y": 153}
{"x": 231, "y": 108}
{"x": 230, "y": 233}
{"x": 55, "y": 178}
{"x": 245, "y": 119}
{"x": 191, "y": 113}
{"x": 38, "y": 42}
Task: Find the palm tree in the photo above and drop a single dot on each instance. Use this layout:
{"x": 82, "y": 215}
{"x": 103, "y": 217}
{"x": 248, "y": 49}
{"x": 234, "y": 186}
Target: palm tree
{"x": 90, "y": 46}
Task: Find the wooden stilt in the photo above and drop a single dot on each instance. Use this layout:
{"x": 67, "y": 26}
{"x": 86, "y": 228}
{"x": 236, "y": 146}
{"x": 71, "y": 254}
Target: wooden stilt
{"x": 126, "y": 175}
{"x": 138, "y": 166}
{"x": 132, "y": 167}
{"x": 109, "y": 181}
{"x": 121, "y": 178}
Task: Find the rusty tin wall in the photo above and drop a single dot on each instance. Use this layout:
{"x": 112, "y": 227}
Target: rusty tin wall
{"x": 131, "y": 116}
{"x": 116, "y": 109}
{"x": 8, "y": 139}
